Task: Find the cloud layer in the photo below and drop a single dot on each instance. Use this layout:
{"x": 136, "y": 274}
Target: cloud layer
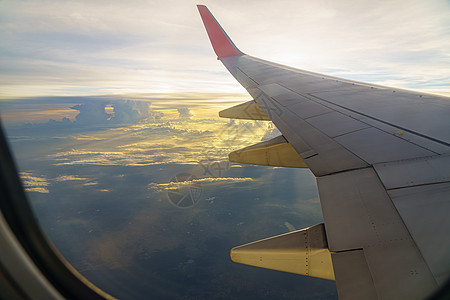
{"x": 90, "y": 48}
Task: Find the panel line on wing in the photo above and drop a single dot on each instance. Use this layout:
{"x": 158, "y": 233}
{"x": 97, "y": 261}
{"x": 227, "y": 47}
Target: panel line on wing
{"x": 417, "y": 185}
{"x": 433, "y": 144}
{"x": 248, "y": 77}
{"x": 387, "y": 123}
{"x": 312, "y": 97}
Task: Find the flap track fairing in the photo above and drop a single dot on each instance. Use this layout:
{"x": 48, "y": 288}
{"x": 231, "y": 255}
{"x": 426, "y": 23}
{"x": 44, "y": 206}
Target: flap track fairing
{"x": 248, "y": 111}
{"x": 303, "y": 252}
{"x": 276, "y": 152}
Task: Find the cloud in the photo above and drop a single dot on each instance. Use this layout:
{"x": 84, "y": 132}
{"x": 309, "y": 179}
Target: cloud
{"x": 271, "y": 133}
{"x": 134, "y": 111}
{"x": 121, "y": 158}
{"x": 184, "y": 113}
{"x": 91, "y": 113}
{"x": 209, "y": 181}
{"x": 86, "y": 157}
{"x": 221, "y": 180}
{"x": 64, "y": 178}
{"x": 86, "y": 138}
{"x": 34, "y": 183}
{"x": 40, "y": 184}
{"x": 168, "y": 142}
{"x": 124, "y": 112}
{"x": 154, "y": 139}
{"x": 70, "y": 178}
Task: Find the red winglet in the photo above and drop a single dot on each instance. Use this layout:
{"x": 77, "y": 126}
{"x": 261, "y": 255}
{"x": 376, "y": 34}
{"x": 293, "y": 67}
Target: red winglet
{"x": 222, "y": 44}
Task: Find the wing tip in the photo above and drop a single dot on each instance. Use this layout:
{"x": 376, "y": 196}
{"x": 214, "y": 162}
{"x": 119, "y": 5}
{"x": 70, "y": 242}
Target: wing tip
{"x": 222, "y": 44}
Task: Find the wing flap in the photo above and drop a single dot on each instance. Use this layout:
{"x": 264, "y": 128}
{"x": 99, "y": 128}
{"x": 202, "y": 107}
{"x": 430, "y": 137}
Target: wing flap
{"x": 302, "y": 252}
{"x": 354, "y": 281}
{"x": 359, "y": 214}
{"x": 424, "y": 210}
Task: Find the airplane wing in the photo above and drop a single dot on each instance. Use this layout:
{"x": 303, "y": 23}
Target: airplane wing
{"x": 382, "y": 163}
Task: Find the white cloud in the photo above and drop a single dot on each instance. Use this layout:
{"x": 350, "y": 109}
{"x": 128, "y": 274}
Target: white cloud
{"x": 124, "y": 158}
{"x": 106, "y": 158}
{"x": 86, "y": 138}
{"x": 209, "y": 181}
{"x": 70, "y": 178}
{"x": 34, "y": 183}
{"x": 40, "y": 184}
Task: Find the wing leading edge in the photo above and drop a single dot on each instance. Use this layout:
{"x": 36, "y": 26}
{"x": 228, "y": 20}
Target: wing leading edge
{"x": 382, "y": 162}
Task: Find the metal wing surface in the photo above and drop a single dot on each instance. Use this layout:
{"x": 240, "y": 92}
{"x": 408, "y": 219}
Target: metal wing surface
{"x": 381, "y": 158}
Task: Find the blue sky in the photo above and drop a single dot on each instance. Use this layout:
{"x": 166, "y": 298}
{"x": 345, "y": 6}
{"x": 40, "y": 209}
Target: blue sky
{"x": 80, "y": 48}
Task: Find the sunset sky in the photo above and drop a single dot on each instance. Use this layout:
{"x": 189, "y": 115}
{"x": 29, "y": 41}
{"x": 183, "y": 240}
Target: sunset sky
{"x": 100, "y": 171}
{"x": 84, "y": 48}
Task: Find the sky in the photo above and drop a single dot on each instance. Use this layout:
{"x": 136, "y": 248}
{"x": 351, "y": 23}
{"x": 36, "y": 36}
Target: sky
{"x": 80, "y": 48}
